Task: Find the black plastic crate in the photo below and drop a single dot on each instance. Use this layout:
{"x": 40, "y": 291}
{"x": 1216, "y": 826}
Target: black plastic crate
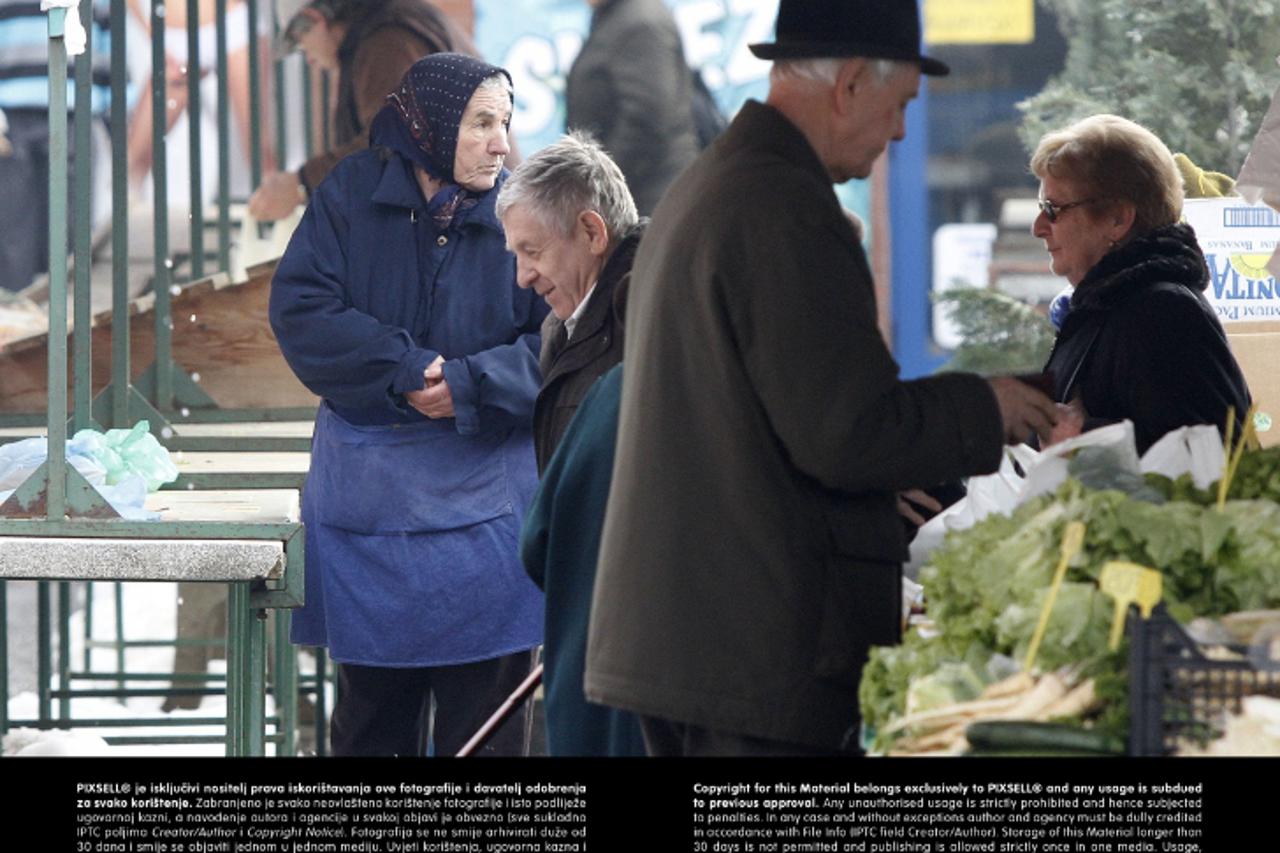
{"x": 1177, "y": 695}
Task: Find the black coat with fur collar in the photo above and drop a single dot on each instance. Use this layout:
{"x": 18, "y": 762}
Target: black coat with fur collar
{"x": 1142, "y": 342}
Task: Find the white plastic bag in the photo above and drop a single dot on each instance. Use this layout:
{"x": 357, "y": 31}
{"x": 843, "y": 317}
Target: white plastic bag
{"x": 985, "y": 494}
{"x": 1052, "y": 469}
{"x": 1194, "y": 450}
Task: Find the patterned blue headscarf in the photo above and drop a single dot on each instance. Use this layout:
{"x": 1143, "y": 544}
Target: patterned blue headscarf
{"x": 420, "y": 121}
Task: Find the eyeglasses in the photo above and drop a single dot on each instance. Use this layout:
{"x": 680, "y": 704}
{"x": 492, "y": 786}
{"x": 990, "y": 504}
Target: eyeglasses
{"x": 1052, "y": 211}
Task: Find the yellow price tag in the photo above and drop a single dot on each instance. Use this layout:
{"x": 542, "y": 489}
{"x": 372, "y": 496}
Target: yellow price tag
{"x": 1072, "y": 540}
{"x": 1129, "y": 583}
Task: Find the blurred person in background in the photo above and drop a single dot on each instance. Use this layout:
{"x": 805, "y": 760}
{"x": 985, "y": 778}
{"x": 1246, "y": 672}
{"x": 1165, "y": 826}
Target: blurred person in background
{"x": 369, "y": 44}
{"x": 178, "y": 119}
{"x": 1139, "y": 340}
{"x": 24, "y": 135}
{"x": 573, "y": 227}
{"x": 631, "y": 88}
{"x": 396, "y": 302}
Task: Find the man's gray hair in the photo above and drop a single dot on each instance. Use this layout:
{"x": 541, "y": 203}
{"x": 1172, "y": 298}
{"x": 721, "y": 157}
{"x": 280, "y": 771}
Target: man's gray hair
{"x": 569, "y": 176}
{"x": 825, "y": 69}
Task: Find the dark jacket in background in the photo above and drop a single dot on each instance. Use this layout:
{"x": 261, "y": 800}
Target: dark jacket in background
{"x": 1142, "y": 342}
{"x": 383, "y": 41}
{"x": 571, "y": 366}
{"x": 631, "y": 88}
{"x": 752, "y": 546}
{"x": 559, "y": 545}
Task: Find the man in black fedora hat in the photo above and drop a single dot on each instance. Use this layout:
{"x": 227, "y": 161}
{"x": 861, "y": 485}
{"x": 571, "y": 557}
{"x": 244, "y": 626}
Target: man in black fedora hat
{"x": 752, "y": 548}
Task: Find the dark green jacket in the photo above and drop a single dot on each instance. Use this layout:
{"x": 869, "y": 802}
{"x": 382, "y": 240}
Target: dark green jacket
{"x": 558, "y": 545}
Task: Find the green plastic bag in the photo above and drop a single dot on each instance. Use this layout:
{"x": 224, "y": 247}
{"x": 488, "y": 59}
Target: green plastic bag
{"x": 131, "y": 451}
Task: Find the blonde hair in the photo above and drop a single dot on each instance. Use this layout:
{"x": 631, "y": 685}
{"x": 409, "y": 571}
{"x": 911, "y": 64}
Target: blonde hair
{"x": 1117, "y": 159}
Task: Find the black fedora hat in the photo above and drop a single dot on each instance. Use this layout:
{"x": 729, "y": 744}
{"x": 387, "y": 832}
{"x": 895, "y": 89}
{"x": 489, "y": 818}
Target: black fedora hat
{"x": 878, "y": 29}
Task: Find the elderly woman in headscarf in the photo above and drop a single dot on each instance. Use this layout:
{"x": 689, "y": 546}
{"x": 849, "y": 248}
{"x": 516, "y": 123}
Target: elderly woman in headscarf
{"x": 1139, "y": 339}
{"x": 396, "y": 302}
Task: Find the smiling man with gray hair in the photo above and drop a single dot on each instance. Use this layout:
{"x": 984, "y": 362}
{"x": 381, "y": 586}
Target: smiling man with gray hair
{"x": 572, "y": 225}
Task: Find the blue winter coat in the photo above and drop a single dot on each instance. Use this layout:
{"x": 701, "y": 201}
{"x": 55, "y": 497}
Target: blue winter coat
{"x": 411, "y": 523}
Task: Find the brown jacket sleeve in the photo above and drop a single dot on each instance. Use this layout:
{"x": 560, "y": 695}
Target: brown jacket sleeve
{"x": 381, "y": 60}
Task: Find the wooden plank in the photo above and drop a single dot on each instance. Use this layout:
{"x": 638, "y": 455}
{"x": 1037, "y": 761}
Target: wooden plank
{"x": 221, "y": 336}
{"x": 229, "y": 429}
{"x": 261, "y": 505}
{"x": 233, "y": 462}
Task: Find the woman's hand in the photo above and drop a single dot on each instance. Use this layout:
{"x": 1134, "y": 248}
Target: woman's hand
{"x": 1071, "y": 418}
{"x": 434, "y": 401}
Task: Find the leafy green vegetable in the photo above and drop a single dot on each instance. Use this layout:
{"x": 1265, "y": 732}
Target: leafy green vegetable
{"x": 986, "y": 585}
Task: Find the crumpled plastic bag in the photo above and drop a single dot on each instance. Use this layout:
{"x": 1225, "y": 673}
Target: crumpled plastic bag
{"x": 1194, "y": 450}
{"x": 20, "y": 459}
{"x": 129, "y": 451}
{"x": 1113, "y": 450}
{"x": 986, "y": 494}
{"x": 124, "y": 465}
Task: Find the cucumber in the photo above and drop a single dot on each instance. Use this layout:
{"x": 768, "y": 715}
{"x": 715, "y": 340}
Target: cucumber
{"x": 1021, "y": 736}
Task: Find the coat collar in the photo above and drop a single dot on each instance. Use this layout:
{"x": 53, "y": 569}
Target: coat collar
{"x": 762, "y": 127}
{"x": 607, "y": 300}
{"x": 397, "y": 187}
{"x": 1169, "y": 253}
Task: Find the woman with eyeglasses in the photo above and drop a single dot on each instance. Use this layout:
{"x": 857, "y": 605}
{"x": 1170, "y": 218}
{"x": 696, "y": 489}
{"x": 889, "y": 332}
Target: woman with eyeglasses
{"x": 1140, "y": 340}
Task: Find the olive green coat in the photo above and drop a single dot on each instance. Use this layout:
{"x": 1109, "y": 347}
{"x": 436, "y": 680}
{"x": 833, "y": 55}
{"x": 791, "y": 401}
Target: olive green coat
{"x": 752, "y": 547}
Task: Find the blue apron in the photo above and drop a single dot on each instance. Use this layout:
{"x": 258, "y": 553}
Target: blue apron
{"x": 412, "y": 534}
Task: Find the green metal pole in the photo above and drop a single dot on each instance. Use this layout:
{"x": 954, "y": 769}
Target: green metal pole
{"x": 286, "y": 684}
{"x": 236, "y": 606}
{"x": 4, "y": 657}
{"x": 82, "y": 363}
{"x": 224, "y": 133}
{"x": 193, "y": 135}
{"x": 308, "y": 117}
{"x": 64, "y": 649}
{"x": 163, "y": 267}
{"x": 279, "y": 98}
{"x": 120, "y": 645}
{"x": 119, "y": 222}
{"x": 88, "y": 626}
{"x": 44, "y": 654}
{"x": 255, "y": 680}
{"x": 57, "y": 378}
{"x": 255, "y": 98}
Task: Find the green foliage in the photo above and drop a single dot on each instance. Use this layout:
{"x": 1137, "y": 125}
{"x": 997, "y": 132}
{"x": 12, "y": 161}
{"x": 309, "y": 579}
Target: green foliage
{"x": 1001, "y": 334}
{"x": 1197, "y": 73}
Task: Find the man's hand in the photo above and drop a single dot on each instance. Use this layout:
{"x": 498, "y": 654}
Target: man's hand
{"x": 1024, "y": 410}
{"x": 1071, "y": 418}
{"x": 279, "y": 194}
{"x": 434, "y": 401}
{"x": 918, "y": 498}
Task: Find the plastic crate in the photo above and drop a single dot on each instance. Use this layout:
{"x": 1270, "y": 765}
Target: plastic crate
{"x": 1179, "y": 696}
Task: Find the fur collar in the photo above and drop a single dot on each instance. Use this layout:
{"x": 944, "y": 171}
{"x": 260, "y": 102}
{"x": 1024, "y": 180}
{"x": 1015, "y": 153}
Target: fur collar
{"x": 1167, "y": 254}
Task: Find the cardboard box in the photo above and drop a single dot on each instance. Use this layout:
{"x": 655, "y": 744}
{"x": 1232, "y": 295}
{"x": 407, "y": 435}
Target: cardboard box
{"x": 1256, "y": 345}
